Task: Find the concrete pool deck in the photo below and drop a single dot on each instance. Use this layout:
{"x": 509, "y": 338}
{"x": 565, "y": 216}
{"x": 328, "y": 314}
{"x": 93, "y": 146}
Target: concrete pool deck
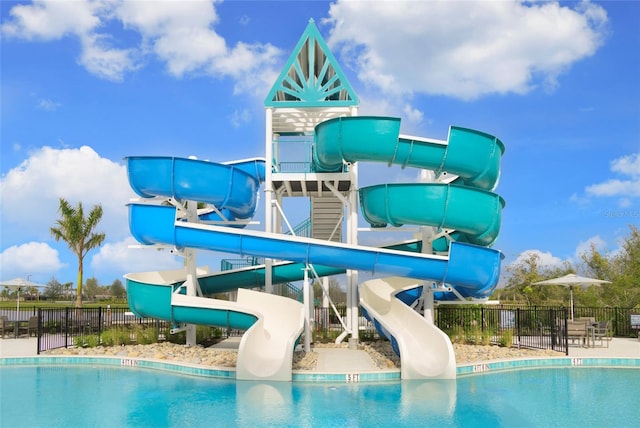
{"x": 344, "y": 360}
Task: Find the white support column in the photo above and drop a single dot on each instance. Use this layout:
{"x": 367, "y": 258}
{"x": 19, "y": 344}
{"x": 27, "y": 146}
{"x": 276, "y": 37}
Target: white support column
{"x": 325, "y": 302}
{"x": 307, "y": 315}
{"x": 268, "y": 190}
{"x": 352, "y": 275}
{"x": 352, "y": 230}
{"x": 427, "y": 296}
{"x": 190, "y": 264}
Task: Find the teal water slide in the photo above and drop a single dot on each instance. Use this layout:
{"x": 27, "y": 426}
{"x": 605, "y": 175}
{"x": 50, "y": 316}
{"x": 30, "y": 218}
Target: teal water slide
{"x": 467, "y": 206}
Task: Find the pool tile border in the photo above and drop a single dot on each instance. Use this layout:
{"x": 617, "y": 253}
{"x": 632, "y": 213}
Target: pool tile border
{"x": 519, "y": 364}
{"x": 307, "y": 376}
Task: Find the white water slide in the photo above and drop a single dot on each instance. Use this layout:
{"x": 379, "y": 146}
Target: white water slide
{"x": 425, "y": 351}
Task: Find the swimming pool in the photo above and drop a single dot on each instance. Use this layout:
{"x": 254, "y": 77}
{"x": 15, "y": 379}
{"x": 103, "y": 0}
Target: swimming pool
{"x": 101, "y": 396}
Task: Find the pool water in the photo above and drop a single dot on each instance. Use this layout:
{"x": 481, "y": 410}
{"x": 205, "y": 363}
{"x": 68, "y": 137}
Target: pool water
{"x": 82, "y": 396}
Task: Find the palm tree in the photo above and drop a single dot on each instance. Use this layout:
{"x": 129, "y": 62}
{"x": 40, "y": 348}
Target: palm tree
{"x": 78, "y": 232}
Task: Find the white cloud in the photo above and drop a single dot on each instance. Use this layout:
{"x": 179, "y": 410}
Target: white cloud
{"x": 30, "y": 192}
{"x": 103, "y": 61}
{"x": 240, "y": 118}
{"x": 32, "y": 258}
{"x": 463, "y": 49}
{"x": 52, "y": 19}
{"x": 179, "y": 34}
{"x": 48, "y": 104}
{"x": 412, "y": 114}
{"x": 627, "y": 165}
{"x": 545, "y": 259}
{"x": 49, "y": 20}
{"x": 627, "y": 187}
{"x": 615, "y": 187}
{"x": 121, "y": 257}
{"x": 585, "y": 246}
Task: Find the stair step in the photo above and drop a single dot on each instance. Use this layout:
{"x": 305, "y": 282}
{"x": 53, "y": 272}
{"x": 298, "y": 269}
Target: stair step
{"x": 326, "y": 212}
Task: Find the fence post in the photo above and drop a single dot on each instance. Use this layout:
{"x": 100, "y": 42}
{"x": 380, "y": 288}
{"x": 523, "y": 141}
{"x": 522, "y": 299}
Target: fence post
{"x": 518, "y": 325}
{"x": 565, "y": 337}
{"x": 66, "y": 326}
{"x": 99, "y": 321}
{"x": 39, "y": 330}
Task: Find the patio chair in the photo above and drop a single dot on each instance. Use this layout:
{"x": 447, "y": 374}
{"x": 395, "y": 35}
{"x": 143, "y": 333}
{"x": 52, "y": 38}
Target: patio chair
{"x": 33, "y": 326}
{"x": 577, "y": 330}
{"x": 602, "y": 332}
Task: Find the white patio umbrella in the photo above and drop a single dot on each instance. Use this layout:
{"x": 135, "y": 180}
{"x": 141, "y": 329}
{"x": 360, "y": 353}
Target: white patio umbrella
{"x": 569, "y": 281}
{"x": 19, "y": 284}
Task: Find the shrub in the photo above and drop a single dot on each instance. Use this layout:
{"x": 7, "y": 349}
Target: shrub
{"x": 116, "y": 336}
{"x": 457, "y": 334}
{"x": 92, "y": 340}
{"x": 144, "y": 335}
{"x": 506, "y": 338}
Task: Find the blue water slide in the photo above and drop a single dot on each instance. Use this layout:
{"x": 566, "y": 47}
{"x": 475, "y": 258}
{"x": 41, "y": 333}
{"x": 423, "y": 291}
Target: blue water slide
{"x": 281, "y": 272}
{"x": 469, "y": 267}
{"x": 230, "y": 187}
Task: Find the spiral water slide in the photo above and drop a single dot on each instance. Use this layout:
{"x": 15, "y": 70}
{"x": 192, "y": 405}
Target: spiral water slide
{"x": 464, "y": 206}
{"x": 274, "y": 323}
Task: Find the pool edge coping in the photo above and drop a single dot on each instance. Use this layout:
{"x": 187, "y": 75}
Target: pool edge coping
{"x": 462, "y": 370}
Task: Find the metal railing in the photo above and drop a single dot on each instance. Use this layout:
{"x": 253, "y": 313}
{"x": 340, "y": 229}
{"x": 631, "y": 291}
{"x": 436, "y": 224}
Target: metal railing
{"x": 522, "y": 327}
{"x": 531, "y": 327}
{"x": 61, "y": 327}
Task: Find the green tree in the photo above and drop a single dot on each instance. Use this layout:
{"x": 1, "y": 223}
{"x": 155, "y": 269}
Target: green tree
{"x": 524, "y": 273}
{"x": 78, "y": 232}
{"x": 117, "y": 290}
{"x": 621, "y": 268}
{"x": 92, "y": 288}
{"x": 336, "y": 293}
{"x": 53, "y": 290}
{"x": 67, "y": 286}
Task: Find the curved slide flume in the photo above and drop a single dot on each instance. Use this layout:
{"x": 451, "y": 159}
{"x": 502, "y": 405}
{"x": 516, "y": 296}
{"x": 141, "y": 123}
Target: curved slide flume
{"x": 467, "y": 209}
{"x": 232, "y": 187}
{"x": 435, "y": 204}
{"x": 468, "y": 266}
{"x": 391, "y": 318}
{"x": 272, "y": 323}
{"x": 472, "y": 155}
{"x": 472, "y": 269}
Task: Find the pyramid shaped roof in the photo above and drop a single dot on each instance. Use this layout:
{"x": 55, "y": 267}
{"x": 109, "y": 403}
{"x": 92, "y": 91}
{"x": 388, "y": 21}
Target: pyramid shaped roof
{"x": 311, "y": 77}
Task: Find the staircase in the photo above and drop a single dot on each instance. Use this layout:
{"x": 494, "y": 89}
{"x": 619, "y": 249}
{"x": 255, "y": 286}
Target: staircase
{"x": 326, "y": 218}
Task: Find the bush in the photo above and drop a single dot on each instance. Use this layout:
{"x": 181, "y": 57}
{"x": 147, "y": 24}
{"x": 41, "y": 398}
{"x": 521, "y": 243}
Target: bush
{"x": 457, "y": 334}
{"x": 145, "y": 335}
{"x": 88, "y": 341}
{"x": 116, "y": 336}
{"x": 506, "y": 338}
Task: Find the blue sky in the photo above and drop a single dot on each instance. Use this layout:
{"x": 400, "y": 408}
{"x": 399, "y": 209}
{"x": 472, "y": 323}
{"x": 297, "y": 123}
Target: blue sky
{"x": 86, "y": 83}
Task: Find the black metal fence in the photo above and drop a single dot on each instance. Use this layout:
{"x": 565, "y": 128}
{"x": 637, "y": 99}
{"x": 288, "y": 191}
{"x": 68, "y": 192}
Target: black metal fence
{"x": 532, "y": 327}
{"x": 64, "y": 327}
{"x": 538, "y": 327}
{"x": 522, "y": 327}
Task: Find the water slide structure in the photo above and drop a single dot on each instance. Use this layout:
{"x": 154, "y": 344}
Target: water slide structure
{"x": 315, "y": 144}
{"x": 466, "y": 267}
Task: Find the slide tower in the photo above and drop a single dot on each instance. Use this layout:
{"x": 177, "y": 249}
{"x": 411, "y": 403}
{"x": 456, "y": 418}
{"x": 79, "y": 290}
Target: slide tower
{"x": 315, "y": 143}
